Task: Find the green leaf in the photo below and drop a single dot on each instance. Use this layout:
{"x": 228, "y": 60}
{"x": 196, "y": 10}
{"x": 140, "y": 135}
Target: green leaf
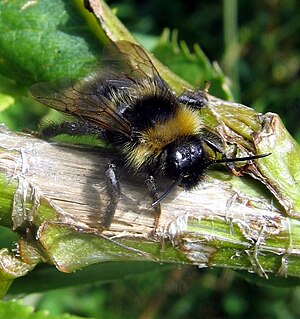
{"x": 194, "y": 67}
{"x": 15, "y": 310}
{"x": 44, "y": 40}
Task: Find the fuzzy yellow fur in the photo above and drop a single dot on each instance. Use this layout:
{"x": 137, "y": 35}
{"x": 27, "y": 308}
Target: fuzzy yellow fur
{"x": 185, "y": 122}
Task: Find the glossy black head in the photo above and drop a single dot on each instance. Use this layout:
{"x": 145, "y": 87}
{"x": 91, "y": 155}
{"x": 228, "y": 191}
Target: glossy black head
{"x": 186, "y": 161}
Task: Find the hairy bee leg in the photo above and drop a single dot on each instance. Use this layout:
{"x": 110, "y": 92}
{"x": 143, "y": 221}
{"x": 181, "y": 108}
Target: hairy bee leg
{"x": 114, "y": 193}
{"x": 154, "y": 196}
{"x": 196, "y": 99}
{"x": 77, "y": 128}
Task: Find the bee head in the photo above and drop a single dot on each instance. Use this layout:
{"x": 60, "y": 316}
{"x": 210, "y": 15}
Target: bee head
{"x": 185, "y": 161}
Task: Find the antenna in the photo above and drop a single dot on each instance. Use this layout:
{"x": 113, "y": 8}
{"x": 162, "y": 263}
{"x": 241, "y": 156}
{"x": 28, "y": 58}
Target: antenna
{"x": 236, "y": 159}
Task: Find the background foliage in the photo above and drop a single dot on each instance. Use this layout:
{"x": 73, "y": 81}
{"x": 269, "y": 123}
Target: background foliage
{"x": 257, "y": 45}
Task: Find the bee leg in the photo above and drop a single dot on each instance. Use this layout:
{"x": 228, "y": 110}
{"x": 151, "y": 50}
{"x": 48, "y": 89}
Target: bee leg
{"x": 77, "y": 128}
{"x": 154, "y": 196}
{"x": 195, "y": 99}
{"x": 114, "y": 193}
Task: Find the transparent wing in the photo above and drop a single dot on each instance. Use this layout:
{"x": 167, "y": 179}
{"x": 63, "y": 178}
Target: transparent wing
{"x": 130, "y": 59}
{"x": 84, "y": 102}
{"x": 95, "y": 98}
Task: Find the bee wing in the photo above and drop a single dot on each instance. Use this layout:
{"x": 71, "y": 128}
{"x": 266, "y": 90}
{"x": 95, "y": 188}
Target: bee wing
{"x": 130, "y": 59}
{"x": 81, "y": 100}
{"x": 123, "y": 64}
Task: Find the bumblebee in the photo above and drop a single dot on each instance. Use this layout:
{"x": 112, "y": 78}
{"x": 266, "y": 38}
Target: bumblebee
{"x": 128, "y": 105}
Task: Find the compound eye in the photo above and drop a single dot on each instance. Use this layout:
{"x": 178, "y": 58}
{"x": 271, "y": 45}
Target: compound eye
{"x": 173, "y": 160}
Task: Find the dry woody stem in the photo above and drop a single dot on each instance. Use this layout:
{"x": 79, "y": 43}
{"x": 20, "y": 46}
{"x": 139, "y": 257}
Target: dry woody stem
{"x": 58, "y": 196}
